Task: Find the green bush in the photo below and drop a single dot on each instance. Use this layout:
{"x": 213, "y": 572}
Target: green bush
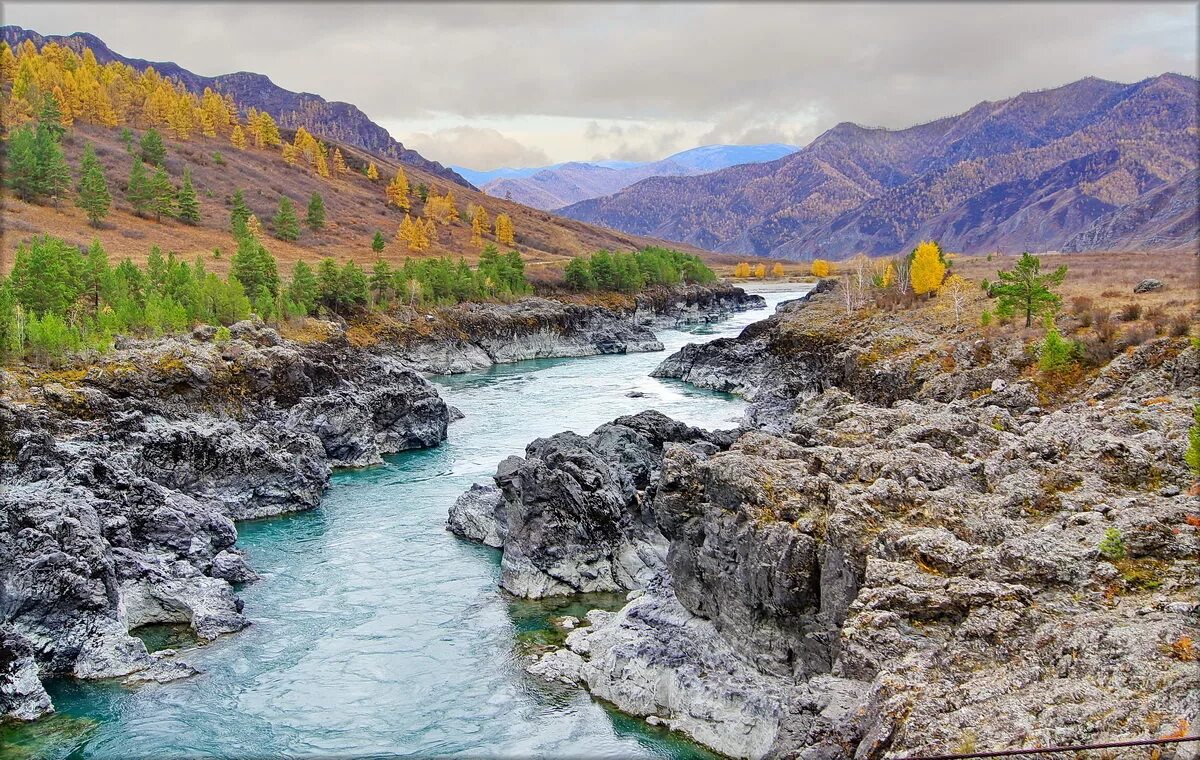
{"x": 1112, "y": 546}
{"x": 1056, "y": 353}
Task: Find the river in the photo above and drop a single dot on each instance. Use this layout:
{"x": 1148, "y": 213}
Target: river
{"x": 377, "y": 633}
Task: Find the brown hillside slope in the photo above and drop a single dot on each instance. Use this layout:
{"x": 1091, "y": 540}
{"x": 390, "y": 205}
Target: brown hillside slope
{"x": 355, "y": 209}
{"x": 1050, "y": 170}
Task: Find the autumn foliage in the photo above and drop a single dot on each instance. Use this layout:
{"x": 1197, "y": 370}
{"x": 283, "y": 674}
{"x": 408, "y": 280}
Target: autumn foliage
{"x": 821, "y": 268}
{"x": 928, "y": 269}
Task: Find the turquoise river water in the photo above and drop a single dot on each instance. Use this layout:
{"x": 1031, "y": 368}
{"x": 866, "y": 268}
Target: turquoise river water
{"x": 376, "y": 633}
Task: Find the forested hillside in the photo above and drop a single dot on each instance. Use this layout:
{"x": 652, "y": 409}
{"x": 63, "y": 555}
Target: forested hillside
{"x": 335, "y": 121}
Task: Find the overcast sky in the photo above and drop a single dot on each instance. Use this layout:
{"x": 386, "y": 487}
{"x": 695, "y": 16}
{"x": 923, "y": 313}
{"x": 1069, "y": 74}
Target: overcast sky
{"x": 488, "y": 85}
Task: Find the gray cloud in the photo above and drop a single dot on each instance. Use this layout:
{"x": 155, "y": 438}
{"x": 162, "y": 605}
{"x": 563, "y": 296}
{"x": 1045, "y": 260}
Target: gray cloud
{"x": 745, "y": 70}
{"x": 476, "y": 146}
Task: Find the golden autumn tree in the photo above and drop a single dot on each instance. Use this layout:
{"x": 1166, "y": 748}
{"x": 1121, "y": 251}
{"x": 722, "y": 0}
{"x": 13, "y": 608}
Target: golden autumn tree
{"x": 320, "y": 164}
{"x": 440, "y": 208}
{"x": 431, "y": 231}
{"x": 410, "y": 233}
{"x": 777, "y": 270}
{"x": 760, "y": 271}
{"x": 339, "y": 163}
{"x": 238, "y": 137}
{"x": 397, "y": 191}
{"x": 742, "y": 269}
{"x": 451, "y": 206}
{"x": 372, "y": 171}
{"x": 266, "y": 131}
{"x": 291, "y": 154}
{"x": 888, "y": 278}
{"x": 928, "y": 269}
{"x": 505, "y": 233}
{"x": 821, "y": 268}
{"x": 479, "y": 224}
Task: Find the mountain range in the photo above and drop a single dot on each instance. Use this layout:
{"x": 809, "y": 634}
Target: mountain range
{"x": 332, "y": 120}
{"x": 1092, "y": 165}
{"x": 550, "y": 187}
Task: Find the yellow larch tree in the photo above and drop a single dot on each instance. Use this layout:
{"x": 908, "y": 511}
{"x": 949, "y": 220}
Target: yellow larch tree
{"x": 264, "y": 129}
{"x": 742, "y": 269}
{"x": 238, "y": 137}
{"x": 431, "y": 231}
{"x": 927, "y": 270}
{"x": 339, "y": 163}
{"x": 397, "y": 191}
{"x": 760, "y": 271}
{"x": 451, "y": 206}
{"x": 291, "y": 154}
{"x": 321, "y": 165}
{"x": 505, "y": 233}
{"x": 479, "y": 224}
{"x": 821, "y": 268}
{"x": 372, "y": 171}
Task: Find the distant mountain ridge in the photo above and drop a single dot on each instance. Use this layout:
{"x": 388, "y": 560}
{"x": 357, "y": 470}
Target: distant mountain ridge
{"x": 333, "y": 120}
{"x": 1090, "y": 165}
{"x": 557, "y": 185}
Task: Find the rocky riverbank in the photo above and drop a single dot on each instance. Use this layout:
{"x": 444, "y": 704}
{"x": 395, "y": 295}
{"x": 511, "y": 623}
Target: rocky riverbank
{"x": 472, "y": 336}
{"x": 899, "y": 552}
{"x": 123, "y": 476}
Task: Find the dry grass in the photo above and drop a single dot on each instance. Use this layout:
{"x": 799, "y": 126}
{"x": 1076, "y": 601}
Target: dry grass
{"x": 1108, "y": 278}
{"x": 355, "y": 209}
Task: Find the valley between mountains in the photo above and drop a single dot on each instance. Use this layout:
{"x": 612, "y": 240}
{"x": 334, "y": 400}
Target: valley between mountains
{"x": 311, "y": 445}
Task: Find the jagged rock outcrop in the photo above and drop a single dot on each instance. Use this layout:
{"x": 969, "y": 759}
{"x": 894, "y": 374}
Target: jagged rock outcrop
{"x": 569, "y": 514}
{"x": 122, "y": 483}
{"x": 907, "y": 559}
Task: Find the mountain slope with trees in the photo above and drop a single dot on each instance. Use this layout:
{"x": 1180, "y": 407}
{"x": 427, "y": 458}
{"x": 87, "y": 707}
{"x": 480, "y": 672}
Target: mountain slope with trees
{"x": 335, "y": 121}
{"x": 1037, "y": 171}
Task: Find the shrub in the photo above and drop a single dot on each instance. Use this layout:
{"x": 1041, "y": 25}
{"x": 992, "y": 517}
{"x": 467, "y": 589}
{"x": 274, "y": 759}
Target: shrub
{"x": 1081, "y": 305}
{"x": 1056, "y": 353}
{"x": 985, "y": 318}
{"x": 1136, "y": 334}
{"x": 222, "y": 334}
{"x": 217, "y": 158}
{"x": 1130, "y": 312}
{"x": 1112, "y": 546}
{"x": 1179, "y": 326}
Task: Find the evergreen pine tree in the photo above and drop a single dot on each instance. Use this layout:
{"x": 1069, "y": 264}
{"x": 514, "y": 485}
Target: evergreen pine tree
{"x": 51, "y": 116}
{"x": 153, "y": 150}
{"x": 137, "y": 192}
{"x": 189, "y": 205}
{"x": 303, "y": 288}
{"x": 239, "y": 215}
{"x": 286, "y": 226}
{"x": 94, "y": 197}
{"x": 22, "y": 164}
{"x": 162, "y": 195}
{"x": 377, "y": 245}
{"x": 316, "y": 212}
{"x": 53, "y": 174}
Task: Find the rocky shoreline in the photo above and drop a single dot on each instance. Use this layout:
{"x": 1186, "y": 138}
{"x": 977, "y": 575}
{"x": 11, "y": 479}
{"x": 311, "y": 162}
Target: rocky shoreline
{"x": 897, "y": 552}
{"x": 123, "y": 478}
